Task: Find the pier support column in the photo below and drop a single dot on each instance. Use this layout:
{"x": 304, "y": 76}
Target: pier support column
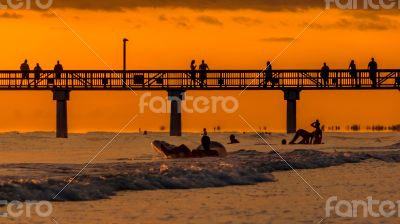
{"x": 291, "y": 96}
{"x": 61, "y": 96}
{"x": 176, "y": 97}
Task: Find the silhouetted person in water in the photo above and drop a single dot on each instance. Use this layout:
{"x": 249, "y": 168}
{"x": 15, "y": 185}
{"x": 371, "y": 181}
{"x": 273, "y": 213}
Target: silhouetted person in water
{"x": 58, "y": 69}
{"x": 193, "y": 73}
{"x": 373, "y": 70}
{"x": 37, "y": 70}
{"x": 203, "y": 73}
{"x": 206, "y": 141}
{"x": 317, "y": 133}
{"x": 309, "y": 138}
{"x": 233, "y": 140}
{"x": 305, "y": 135}
{"x": 353, "y": 74}
{"x": 178, "y": 151}
{"x": 268, "y": 75}
{"x": 25, "y": 72}
{"x": 325, "y": 74}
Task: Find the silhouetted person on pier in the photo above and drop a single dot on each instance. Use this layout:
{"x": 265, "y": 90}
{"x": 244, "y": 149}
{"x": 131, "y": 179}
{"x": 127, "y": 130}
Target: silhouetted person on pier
{"x": 193, "y": 73}
{"x": 268, "y": 75}
{"x": 58, "y": 69}
{"x": 203, "y": 73}
{"x": 25, "y": 72}
{"x": 325, "y": 74}
{"x": 37, "y": 70}
{"x": 353, "y": 74}
{"x": 373, "y": 70}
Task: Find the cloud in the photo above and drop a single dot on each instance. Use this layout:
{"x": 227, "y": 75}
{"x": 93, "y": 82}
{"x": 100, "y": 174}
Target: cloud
{"x": 7, "y": 15}
{"x": 263, "y": 5}
{"x": 277, "y": 39}
{"x": 247, "y": 21}
{"x": 48, "y": 15}
{"x": 209, "y": 20}
{"x": 162, "y": 18}
{"x": 179, "y": 21}
{"x": 182, "y": 25}
{"x": 378, "y": 23}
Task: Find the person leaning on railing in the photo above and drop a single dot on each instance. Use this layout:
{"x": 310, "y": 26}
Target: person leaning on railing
{"x": 373, "y": 70}
{"x": 37, "y": 70}
{"x": 25, "y": 72}
{"x": 353, "y": 73}
{"x": 58, "y": 69}
{"x": 203, "y": 74}
{"x": 325, "y": 74}
{"x": 268, "y": 75}
{"x": 193, "y": 72}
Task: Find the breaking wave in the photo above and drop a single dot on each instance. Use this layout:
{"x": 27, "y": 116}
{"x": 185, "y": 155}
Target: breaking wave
{"x": 99, "y": 181}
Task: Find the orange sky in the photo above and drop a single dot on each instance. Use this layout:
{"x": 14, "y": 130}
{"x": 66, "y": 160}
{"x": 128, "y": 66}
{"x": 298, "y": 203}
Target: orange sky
{"x": 168, "y": 38}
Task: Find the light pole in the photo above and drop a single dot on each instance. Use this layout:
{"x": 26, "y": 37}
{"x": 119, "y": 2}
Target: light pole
{"x": 124, "y": 62}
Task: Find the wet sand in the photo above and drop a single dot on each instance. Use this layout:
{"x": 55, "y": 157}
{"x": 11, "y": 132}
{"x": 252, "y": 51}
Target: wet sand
{"x": 288, "y": 200}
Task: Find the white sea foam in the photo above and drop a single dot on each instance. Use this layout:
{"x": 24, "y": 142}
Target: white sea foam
{"x": 44, "y": 181}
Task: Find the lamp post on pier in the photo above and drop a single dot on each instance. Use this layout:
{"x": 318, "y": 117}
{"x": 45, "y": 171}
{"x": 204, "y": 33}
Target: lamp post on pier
{"x": 124, "y": 62}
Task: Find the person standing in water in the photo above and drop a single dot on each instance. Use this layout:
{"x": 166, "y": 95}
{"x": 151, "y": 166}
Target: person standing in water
{"x": 193, "y": 73}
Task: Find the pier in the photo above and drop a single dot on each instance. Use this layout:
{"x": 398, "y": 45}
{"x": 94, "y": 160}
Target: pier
{"x": 177, "y": 82}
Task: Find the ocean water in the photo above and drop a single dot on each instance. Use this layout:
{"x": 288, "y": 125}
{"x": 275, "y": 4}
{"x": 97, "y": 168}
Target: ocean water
{"x": 128, "y": 182}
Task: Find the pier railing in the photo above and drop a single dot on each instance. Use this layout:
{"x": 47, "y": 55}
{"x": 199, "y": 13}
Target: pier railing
{"x": 182, "y": 79}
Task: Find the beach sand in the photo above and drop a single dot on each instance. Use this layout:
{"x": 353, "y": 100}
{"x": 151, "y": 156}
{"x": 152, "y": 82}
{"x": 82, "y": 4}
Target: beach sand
{"x": 288, "y": 199}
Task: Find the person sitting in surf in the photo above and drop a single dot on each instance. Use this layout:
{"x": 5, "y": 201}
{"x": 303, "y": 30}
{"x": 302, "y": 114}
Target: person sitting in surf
{"x": 317, "y": 133}
{"x": 307, "y": 137}
{"x": 205, "y": 149}
{"x": 206, "y": 142}
{"x": 233, "y": 140}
